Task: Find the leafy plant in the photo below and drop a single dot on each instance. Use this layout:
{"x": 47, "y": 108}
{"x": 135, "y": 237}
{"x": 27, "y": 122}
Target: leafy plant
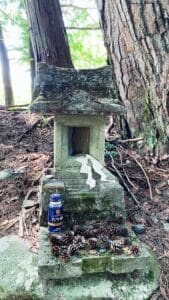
{"x": 110, "y": 150}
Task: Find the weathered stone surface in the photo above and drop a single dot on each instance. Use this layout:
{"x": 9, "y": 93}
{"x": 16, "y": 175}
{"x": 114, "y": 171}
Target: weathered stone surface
{"x": 62, "y": 138}
{"x": 70, "y": 91}
{"x": 104, "y": 276}
{"x": 51, "y": 267}
{"x": 102, "y": 287}
{"x": 81, "y": 201}
{"x": 18, "y": 271}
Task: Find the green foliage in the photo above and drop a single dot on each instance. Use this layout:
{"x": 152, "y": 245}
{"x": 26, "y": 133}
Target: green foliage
{"x": 24, "y": 36}
{"x": 87, "y": 48}
{"x": 110, "y": 150}
{"x": 83, "y": 54}
{"x": 12, "y": 12}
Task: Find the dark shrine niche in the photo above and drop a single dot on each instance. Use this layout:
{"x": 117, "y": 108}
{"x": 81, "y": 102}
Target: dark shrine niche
{"x": 78, "y": 139}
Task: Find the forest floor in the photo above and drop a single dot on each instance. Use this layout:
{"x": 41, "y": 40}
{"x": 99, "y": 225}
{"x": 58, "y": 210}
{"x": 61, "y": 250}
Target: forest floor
{"x": 26, "y": 148}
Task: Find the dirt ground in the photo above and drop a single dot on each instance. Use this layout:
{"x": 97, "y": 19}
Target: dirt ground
{"x": 26, "y": 144}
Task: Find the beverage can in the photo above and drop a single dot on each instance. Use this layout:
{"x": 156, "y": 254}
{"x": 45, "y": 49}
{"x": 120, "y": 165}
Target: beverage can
{"x": 55, "y": 213}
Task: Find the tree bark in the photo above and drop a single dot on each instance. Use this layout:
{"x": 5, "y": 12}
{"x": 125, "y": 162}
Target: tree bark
{"x": 136, "y": 35}
{"x": 48, "y": 34}
{"x": 32, "y": 65}
{"x": 9, "y": 101}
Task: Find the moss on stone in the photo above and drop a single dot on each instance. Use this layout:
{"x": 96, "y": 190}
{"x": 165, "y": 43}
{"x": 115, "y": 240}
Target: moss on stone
{"x": 87, "y": 196}
{"x": 150, "y": 276}
{"x": 95, "y": 264}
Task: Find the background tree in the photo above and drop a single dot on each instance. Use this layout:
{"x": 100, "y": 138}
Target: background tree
{"x": 48, "y": 34}
{"x": 84, "y": 33}
{"x": 136, "y": 35}
{"x": 9, "y": 101}
{"x": 84, "y": 37}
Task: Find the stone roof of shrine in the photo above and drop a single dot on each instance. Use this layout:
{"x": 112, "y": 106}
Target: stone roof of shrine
{"x": 75, "y": 92}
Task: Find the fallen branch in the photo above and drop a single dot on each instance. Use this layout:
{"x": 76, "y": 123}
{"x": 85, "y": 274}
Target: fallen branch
{"x": 125, "y": 185}
{"x": 12, "y": 222}
{"x": 131, "y": 140}
{"x": 123, "y": 182}
{"x": 141, "y": 167}
{"x": 125, "y": 173}
{"x": 3, "y": 224}
{"x": 22, "y": 223}
{"x": 8, "y": 224}
{"x": 147, "y": 215}
{"x": 131, "y": 183}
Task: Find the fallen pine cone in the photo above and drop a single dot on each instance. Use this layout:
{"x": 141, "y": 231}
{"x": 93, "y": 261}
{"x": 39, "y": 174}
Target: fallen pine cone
{"x": 135, "y": 250}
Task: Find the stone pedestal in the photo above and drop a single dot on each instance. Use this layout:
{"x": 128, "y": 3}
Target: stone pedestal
{"x": 98, "y": 276}
{"x": 105, "y": 276}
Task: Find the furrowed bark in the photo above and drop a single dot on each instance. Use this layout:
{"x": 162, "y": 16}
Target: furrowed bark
{"x": 48, "y": 34}
{"x": 136, "y": 35}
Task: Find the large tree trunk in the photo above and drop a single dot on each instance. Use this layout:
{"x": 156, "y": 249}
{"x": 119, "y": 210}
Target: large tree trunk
{"x": 9, "y": 101}
{"x": 48, "y": 34}
{"x": 32, "y": 65}
{"x": 136, "y": 35}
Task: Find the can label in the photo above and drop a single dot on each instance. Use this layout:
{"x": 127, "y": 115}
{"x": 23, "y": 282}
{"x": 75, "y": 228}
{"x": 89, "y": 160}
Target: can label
{"x": 55, "y": 218}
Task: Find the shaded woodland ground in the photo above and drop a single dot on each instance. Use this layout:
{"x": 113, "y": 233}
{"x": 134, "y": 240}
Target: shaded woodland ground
{"x": 26, "y": 143}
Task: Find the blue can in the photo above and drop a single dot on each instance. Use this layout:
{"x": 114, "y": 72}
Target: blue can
{"x": 55, "y": 213}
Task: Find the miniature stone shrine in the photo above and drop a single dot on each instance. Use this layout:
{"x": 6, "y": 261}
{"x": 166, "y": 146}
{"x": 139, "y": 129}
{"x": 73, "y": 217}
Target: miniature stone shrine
{"x": 93, "y": 198}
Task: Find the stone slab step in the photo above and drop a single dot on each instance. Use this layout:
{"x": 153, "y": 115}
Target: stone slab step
{"x": 51, "y": 267}
{"x": 101, "y": 288}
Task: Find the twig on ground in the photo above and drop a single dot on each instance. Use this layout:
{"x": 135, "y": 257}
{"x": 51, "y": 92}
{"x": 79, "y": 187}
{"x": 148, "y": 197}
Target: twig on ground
{"x": 131, "y": 183}
{"x": 22, "y": 223}
{"x": 141, "y": 167}
{"x": 11, "y": 223}
{"x": 114, "y": 168}
{"x": 124, "y": 183}
{"x": 7, "y": 224}
{"x": 125, "y": 173}
{"x": 3, "y": 224}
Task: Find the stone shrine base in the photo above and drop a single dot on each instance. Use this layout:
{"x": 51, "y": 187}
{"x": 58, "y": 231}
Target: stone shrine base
{"x": 100, "y": 287}
{"x": 82, "y": 203}
{"x": 106, "y": 276}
